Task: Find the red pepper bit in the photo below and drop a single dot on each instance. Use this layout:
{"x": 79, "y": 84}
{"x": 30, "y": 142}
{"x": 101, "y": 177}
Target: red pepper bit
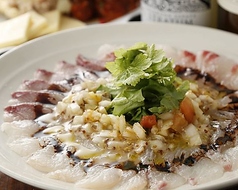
{"x": 148, "y": 121}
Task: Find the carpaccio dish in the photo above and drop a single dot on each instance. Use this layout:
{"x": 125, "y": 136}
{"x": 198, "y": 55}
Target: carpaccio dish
{"x": 143, "y": 117}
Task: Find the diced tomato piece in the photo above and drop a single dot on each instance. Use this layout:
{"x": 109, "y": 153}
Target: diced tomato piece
{"x": 179, "y": 122}
{"x": 148, "y": 121}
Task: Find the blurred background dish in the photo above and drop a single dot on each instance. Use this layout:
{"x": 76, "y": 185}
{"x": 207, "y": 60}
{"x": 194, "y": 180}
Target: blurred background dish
{"x": 228, "y": 15}
{"x": 83, "y": 10}
{"x": 55, "y": 15}
{"x": 21, "y": 21}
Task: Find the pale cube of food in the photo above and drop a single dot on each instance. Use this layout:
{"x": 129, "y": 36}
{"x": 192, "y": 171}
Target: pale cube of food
{"x": 67, "y": 22}
{"x": 53, "y": 23}
{"x": 14, "y": 31}
{"x": 7, "y": 10}
{"x": 37, "y": 23}
{"x": 63, "y": 6}
{"x": 13, "y": 8}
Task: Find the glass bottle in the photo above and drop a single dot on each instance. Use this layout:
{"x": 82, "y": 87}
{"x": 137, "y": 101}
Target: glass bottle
{"x": 193, "y": 12}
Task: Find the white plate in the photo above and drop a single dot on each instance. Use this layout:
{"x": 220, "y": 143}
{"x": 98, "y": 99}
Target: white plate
{"x": 19, "y": 63}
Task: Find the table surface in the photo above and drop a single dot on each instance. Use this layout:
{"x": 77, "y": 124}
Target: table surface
{"x": 8, "y": 183}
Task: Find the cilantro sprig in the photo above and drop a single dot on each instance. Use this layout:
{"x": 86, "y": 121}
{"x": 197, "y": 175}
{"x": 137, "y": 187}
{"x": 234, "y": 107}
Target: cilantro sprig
{"x": 144, "y": 82}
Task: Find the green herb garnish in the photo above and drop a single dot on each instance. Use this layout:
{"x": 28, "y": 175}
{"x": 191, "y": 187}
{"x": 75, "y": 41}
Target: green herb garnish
{"x": 145, "y": 82}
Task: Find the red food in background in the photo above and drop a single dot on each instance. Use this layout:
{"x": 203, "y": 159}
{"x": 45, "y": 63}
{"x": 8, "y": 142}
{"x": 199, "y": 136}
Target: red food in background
{"x": 104, "y": 10}
{"x": 110, "y": 9}
{"x": 83, "y": 10}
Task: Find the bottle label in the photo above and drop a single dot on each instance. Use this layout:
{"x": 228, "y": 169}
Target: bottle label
{"x": 194, "y": 12}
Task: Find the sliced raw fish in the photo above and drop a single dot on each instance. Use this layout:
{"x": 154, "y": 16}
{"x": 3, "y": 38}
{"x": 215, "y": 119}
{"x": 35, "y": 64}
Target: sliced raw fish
{"x": 90, "y": 64}
{"x": 69, "y": 174}
{"x": 43, "y": 96}
{"x": 163, "y": 180}
{"x": 73, "y": 72}
{"x": 36, "y": 85}
{"x": 26, "y": 111}
{"x": 231, "y": 78}
{"x": 46, "y": 160}
{"x": 25, "y": 146}
{"x": 106, "y": 52}
{"x": 184, "y": 58}
{"x": 203, "y": 171}
{"x": 171, "y": 52}
{"x": 21, "y": 128}
{"x": 232, "y": 155}
{"x": 66, "y": 69}
{"x": 204, "y": 61}
{"x": 42, "y": 74}
{"x": 135, "y": 182}
{"x": 99, "y": 177}
{"x": 222, "y": 68}
{"x": 221, "y": 159}
{"x": 125, "y": 177}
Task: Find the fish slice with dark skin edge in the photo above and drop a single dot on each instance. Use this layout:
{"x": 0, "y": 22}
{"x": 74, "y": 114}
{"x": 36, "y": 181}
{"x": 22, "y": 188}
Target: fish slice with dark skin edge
{"x": 43, "y": 96}
{"x": 26, "y": 111}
